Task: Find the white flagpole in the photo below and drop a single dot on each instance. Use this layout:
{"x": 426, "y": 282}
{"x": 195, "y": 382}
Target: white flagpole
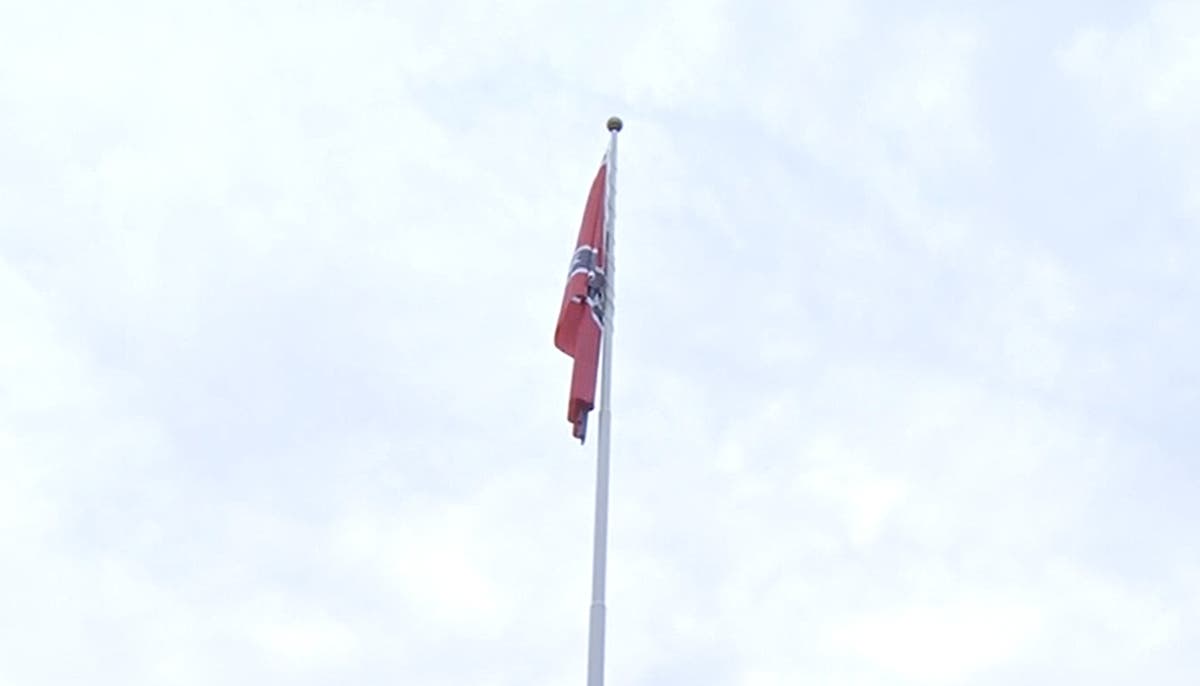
{"x": 600, "y": 543}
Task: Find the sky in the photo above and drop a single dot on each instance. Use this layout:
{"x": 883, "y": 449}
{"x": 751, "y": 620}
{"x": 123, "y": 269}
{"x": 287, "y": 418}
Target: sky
{"x": 905, "y": 375}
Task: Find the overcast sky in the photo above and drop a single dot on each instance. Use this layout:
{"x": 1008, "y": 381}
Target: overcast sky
{"x": 906, "y": 386}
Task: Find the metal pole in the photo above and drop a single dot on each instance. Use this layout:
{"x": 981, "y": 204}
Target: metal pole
{"x": 600, "y": 543}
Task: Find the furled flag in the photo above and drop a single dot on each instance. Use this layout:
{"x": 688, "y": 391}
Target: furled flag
{"x": 581, "y": 317}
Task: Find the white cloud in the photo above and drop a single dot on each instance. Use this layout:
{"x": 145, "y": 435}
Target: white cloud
{"x": 299, "y": 644}
{"x": 1148, "y": 71}
{"x": 932, "y": 645}
{"x": 278, "y": 401}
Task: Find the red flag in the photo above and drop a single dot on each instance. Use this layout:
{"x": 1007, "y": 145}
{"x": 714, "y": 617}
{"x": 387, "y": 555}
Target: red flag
{"x": 581, "y": 317}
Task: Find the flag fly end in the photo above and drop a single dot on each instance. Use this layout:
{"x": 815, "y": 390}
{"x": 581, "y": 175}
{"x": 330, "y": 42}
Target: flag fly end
{"x": 586, "y": 305}
{"x": 581, "y": 428}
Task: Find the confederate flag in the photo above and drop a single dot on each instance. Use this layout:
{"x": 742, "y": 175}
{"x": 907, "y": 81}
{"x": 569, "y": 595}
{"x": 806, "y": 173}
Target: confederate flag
{"x": 583, "y": 308}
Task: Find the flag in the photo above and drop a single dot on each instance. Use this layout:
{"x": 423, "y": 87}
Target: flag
{"x": 581, "y": 316}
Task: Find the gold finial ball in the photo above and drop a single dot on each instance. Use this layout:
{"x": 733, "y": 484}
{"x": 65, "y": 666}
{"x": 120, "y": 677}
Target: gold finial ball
{"x": 615, "y": 124}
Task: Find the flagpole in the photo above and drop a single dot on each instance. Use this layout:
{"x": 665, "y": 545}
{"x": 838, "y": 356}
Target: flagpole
{"x": 600, "y": 542}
